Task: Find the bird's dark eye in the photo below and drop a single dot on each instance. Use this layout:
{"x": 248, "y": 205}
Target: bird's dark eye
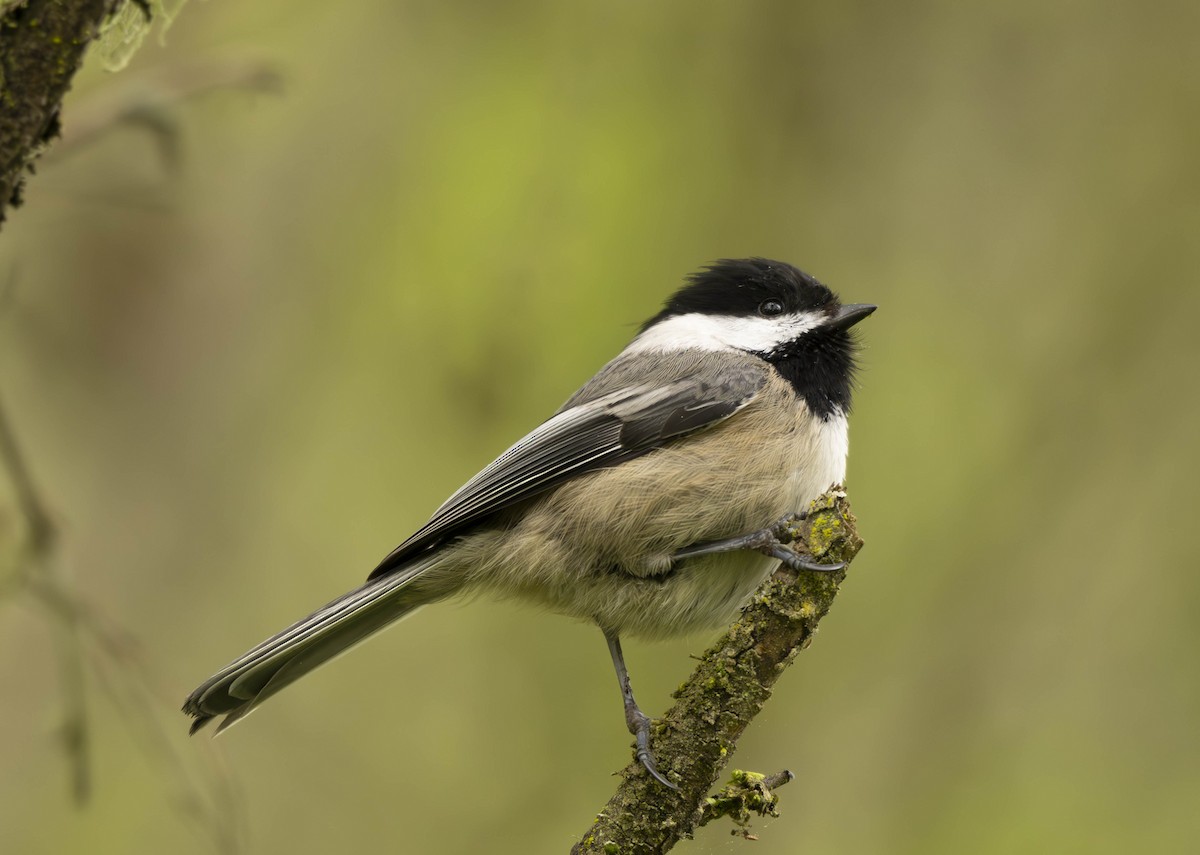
{"x": 770, "y": 308}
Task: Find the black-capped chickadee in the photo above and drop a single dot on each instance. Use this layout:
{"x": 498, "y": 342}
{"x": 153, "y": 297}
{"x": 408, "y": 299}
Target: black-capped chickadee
{"x": 642, "y": 504}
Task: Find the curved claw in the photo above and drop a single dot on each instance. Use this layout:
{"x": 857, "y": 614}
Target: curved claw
{"x": 798, "y": 562}
{"x": 639, "y": 725}
{"x": 647, "y": 759}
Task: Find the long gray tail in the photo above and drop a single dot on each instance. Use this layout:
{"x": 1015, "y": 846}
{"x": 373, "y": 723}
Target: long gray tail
{"x": 285, "y": 657}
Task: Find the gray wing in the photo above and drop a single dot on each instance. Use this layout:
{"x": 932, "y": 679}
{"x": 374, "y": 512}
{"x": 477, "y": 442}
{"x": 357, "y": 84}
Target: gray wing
{"x": 593, "y": 434}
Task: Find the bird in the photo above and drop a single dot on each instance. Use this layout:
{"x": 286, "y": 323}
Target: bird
{"x": 645, "y": 504}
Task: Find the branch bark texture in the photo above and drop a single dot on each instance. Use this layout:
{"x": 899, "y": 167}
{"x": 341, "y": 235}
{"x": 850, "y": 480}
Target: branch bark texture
{"x": 696, "y": 737}
{"x": 42, "y": 43}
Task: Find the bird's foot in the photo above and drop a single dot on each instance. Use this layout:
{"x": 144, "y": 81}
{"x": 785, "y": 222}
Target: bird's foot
{"x": 766, "y": 541}
{"x": 639, "y": 726}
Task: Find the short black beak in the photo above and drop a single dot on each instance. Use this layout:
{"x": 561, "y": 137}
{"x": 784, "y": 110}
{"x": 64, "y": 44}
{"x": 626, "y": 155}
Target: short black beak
{"x": 848, "y": 316}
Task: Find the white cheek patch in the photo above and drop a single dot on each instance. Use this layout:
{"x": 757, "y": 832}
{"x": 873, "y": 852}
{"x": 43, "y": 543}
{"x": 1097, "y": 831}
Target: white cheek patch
{"x": 724, "y": 332}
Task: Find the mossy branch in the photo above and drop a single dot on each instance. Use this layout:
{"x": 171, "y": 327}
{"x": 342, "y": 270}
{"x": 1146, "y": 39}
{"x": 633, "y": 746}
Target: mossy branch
{"x": 696, "y": 737}
{"x": 42, "y": 43}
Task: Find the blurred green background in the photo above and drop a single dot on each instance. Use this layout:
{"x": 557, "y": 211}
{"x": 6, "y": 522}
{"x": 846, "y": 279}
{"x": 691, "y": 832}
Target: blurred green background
{"x": 242, "y": 380}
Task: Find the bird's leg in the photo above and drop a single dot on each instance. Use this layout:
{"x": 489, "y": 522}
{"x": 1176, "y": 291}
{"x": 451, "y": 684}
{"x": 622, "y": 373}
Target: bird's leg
{"x": 765, "y": 541}
{"x": 636, "y": 720}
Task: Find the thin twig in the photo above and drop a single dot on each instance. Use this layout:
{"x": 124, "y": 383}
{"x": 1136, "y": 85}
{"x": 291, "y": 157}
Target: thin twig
{"x": 747, "y": 793}
{"x": 40, "y": 574}
{"x": 87, "y": 643}
{"x": 150, "y": 100}
{"x": 29, "y": 502}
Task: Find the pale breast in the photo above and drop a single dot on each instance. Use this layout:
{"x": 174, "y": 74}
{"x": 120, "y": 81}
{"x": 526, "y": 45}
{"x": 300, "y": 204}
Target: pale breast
{"x": 818, "y": 457}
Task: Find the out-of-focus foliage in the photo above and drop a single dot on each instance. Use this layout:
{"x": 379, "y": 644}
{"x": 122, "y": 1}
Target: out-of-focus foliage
{"x": 242, "y": 382}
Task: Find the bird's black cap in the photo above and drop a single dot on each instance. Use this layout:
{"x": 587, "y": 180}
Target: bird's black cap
{"x": 739, "y": 286}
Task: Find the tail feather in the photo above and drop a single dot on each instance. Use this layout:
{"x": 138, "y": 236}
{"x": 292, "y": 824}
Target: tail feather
{"x": 239, "y": 687}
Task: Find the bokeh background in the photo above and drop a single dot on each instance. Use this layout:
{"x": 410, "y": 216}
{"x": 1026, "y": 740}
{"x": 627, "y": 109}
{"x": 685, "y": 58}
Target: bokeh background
{"x": 242, "y": 373}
